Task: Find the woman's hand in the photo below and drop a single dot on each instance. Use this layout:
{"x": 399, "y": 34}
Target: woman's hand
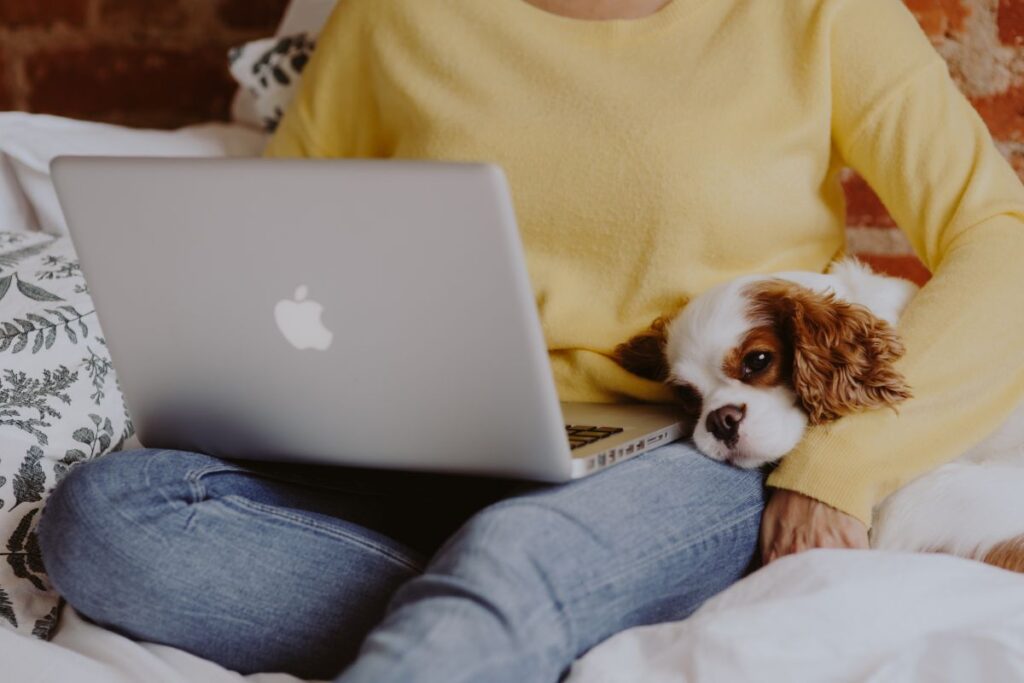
{"x": 793, "y": 522}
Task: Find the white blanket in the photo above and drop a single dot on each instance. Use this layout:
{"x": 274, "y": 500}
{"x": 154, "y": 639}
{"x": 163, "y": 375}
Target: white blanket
{"x": 835, "y": 616}
{"x": 84, "y": 653}
{"x": 29, "y": 142}
{"x": 820, "y": 616}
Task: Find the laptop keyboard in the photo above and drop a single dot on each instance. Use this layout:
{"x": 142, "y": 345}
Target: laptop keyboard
{"x": 582, "y": 435}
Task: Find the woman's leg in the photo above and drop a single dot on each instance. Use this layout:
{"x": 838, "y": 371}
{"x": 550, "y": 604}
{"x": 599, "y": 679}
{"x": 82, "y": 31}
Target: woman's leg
{"x": 532, "y": 582}
{"x": 232, "y": 564}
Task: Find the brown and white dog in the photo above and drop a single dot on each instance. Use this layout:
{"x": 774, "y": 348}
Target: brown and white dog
{"x": 758, "y": 359}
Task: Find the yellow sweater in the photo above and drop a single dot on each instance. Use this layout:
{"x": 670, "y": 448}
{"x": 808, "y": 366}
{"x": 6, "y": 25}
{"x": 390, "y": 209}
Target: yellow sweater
{"x": 650, "y": 159}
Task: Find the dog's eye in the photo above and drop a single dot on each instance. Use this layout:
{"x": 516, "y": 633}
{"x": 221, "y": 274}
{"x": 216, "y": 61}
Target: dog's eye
{"x": 755, "y": 362}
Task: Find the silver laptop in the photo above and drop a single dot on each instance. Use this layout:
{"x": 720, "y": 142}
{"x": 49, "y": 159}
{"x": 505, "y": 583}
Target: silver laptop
{"x": 360, "y": 313}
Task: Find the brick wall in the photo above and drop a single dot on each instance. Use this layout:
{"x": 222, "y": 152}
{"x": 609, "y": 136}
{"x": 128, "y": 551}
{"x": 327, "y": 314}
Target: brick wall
{"x": 161, "y": 63}
{"x": 155, "y": 63}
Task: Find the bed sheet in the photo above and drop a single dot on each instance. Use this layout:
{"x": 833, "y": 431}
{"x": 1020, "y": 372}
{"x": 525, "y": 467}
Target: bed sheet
{"x": 820, "y": 616}
{"x": 835, "y": 615}
{"x": 29, "y": 142}
{"x": 85, "y": 653}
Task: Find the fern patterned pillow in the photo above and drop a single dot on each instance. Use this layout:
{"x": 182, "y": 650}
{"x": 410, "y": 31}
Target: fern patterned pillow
{"x": 59, "y": 405}
{"x": 271, "y": 71}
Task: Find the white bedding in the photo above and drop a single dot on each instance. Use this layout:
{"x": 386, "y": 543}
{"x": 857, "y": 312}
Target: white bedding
{"x": 29, "y": 142}
{"x": 821, "y": 616}
{"x": 833, "y": 615}
{"x": 85, "y": 653}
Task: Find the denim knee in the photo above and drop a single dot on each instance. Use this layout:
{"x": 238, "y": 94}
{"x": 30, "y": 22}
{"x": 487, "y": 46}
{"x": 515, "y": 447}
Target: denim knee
{"x": 68, "y": 531}
{"x": 84, "y": 532}
{"x": 509, "y": 555}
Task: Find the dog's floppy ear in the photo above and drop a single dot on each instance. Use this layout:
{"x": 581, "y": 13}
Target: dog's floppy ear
{"x": 843, "y": 356}
{"x": 644, "y": 354}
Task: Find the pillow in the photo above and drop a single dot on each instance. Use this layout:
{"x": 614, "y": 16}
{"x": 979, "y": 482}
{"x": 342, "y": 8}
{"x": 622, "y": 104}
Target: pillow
{"x": 16, "y": 213}
{"x": 60, "y": 405}
{"x": 302, "y": 16}
{"x": 270, "y": 70}
{"x": 29, "y": 142}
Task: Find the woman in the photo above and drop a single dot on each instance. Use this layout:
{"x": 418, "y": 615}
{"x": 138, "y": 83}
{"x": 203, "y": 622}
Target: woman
{"x": 654, "y": 148}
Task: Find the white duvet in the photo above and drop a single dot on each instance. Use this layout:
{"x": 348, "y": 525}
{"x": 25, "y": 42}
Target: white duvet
{"x": 29, "y": 142}
{"x": 835, "y": 615}
{"x": 821, "y": 616}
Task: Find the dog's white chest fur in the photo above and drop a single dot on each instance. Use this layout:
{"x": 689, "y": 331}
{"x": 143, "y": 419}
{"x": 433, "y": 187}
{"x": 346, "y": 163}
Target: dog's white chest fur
{"x": 965, "y": 507}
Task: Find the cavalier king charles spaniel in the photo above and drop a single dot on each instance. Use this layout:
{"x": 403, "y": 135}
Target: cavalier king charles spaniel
{"x": 758, "y": 359}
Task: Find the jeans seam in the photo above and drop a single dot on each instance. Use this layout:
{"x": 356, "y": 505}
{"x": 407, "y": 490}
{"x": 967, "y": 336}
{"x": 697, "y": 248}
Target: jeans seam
{"x": 194, "y": 479}
{"x": 556, "y": 604}
{"x": 558, "y": 608}
{"x": 322, "y": 528}
{"x": 200, "y": 494}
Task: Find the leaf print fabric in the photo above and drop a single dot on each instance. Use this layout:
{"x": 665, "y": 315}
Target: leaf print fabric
{"x": 30, "y": 480}
{"x": 37, "y": 293}
{"x": 7, "y": 609}
{"x": 60, "y": 405}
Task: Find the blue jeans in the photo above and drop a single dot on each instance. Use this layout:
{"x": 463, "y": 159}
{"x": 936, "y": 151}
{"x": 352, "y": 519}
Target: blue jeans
{"x": 394, "y": 577}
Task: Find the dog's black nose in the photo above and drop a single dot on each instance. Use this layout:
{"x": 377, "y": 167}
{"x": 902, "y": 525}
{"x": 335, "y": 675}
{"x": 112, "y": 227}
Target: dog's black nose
{"x": 724, "y": 423}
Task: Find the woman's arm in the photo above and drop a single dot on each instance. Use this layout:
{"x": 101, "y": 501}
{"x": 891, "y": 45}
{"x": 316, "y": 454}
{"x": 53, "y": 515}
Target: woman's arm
{"x": 335, "y": 113}
{"x": 901, "y": 122}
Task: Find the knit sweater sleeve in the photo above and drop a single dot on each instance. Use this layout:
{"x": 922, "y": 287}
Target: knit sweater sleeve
{"x": 335, "y": 113}
{"x": 900, "y": 121}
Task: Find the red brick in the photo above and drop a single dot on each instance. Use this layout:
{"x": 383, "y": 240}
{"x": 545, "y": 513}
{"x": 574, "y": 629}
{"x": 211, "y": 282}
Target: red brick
{"x": 251, "y": 14}
{"x": 5, "y": 89}
{"x": 15, "y": 13}
{"x": 1016, "y": 160}
{"x": 143, "y": 13}
{"x": 938, "y": 17}
{"x": 1004, "y": 113}
{"x": 151, "y": 87}
{"x": 1011, "y": 22}
{"x": 908, "y": 267}
{"x": 863, "y": 207}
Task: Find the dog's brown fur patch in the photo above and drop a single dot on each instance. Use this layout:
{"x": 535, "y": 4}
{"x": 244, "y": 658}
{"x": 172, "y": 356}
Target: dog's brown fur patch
{"x": 843, "y": 356}
{"x": 644, "y": 354}
{"x": 1007, "y": 555}
{"x": 763, "y": 338}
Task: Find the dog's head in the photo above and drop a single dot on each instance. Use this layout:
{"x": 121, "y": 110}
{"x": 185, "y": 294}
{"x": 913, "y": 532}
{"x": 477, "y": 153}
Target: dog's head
{"x": 758, "y": 360}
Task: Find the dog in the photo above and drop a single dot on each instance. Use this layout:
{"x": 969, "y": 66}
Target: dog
{"x": 757, "y": 360}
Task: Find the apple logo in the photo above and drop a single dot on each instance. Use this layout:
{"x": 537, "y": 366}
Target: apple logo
{"x": 299, "y": 322}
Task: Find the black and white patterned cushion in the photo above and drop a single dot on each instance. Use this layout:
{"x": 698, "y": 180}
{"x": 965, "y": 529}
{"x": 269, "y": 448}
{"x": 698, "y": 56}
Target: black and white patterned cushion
{"x": 271, "y": 70}
{"x": 60, "y": 405}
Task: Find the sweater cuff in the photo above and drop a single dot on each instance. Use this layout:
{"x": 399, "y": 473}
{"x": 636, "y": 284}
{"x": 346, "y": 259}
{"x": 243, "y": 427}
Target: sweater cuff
{"x": 820, "y": 467}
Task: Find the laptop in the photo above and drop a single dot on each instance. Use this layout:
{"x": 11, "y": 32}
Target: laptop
{"x": 359, "y": 313}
